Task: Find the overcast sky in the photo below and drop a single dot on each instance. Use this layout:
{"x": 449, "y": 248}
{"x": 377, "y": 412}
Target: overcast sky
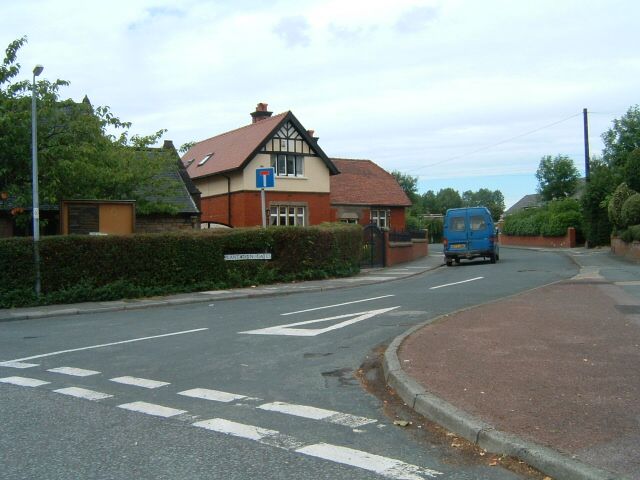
{"x": 461, "y": 93}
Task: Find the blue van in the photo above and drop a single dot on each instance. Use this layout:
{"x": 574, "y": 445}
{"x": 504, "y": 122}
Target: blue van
{"x": 469, "y": 233}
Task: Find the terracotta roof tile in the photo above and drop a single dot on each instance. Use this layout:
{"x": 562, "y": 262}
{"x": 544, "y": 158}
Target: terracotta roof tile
{"x": 362, "y": 182}
{"x": 231, "y": 149}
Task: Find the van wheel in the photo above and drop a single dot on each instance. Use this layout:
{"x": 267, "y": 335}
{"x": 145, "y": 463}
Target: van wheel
{"x": 493, "y": 258}
{"x": 449, "y": 262}
{"x": 457, "y": 261}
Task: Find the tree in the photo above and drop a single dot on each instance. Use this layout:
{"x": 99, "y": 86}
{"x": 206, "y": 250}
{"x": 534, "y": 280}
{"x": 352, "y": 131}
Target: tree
{"x": 493, "y": 200}
{"x": 448, "y": 198}
{"x": 557, "y": 177}
{"x": 622, "y": 139}
{"x": 408, "y": 183}
{"x": 77, "y": 156}
{"x": 601, "y": 184}
{"x": 429, "y": 202}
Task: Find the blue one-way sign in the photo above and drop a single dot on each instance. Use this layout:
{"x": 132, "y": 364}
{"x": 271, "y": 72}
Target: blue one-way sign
{"x": 265, "y": 177}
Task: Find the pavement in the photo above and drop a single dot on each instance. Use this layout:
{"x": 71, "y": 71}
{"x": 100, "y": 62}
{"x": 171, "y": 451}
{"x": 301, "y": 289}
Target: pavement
{"x": 550, "y": 376}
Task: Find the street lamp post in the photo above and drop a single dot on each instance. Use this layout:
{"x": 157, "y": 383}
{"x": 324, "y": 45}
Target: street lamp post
{"x": 34, "y": 179}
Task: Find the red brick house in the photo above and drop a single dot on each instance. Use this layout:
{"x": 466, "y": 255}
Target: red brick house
{"x": 223, "y": 169}
{"x": 365, "y": 193}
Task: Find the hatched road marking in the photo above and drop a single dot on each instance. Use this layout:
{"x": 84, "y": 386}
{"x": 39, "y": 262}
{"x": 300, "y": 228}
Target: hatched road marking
{"x": 314, "y": 413}
{"x": 152, "y": 409}
{"x": 23, "y": 381}
{"x": 18, "y": 364}
{"x": 83, "y": 393}
{"x": 214, "y": 395}
{"x": 387, "y": 467}
{"x": 311, "y": 332}
{"x": 76, "y": 372}
{"x": 139, "y": 382}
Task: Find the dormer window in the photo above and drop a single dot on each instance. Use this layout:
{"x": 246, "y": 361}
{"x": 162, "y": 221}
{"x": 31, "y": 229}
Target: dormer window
{"x": 204, "y": 160}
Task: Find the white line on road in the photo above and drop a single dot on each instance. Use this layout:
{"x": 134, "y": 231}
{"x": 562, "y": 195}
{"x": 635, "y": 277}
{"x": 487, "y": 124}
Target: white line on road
{"x": 83, "y": 393}
{"x": 152, "y": 409}
{"x": 106, "y": 345}
{"x": 18, "y": 364}
{"x": 387, "y": 467}
{"x": 23, "y": 381}
{"x": 76, "y": 372}
{"x": 337, "y": 305}
{"x": 250, "y": 432}
{"x": 314, "y": 413}
{"x": 312, "y": 332}
{"x": 456, "y": 283}
{"x": 139, "y": 382}
{"x": 214, "y": 395}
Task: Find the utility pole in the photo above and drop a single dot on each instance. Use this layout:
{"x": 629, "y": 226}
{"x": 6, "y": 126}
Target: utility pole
{"x": 586, "y": 143}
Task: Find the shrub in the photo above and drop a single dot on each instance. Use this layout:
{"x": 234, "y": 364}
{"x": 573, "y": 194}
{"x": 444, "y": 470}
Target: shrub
{"x": 435, "y": 226}
{"x": 630, "y": 212}
{"x": 85, "y": 268}
{"x": 551, "y": 220}
{"x": 614, "y": 207}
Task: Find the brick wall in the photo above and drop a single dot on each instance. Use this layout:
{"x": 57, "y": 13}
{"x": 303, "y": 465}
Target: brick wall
{"x": 626, "y": 250}
{"x": 159, "y": 224}
{"x": 401, "y": 252}
{"x": 568, "y": 241}
{"x": 246, "y": 207}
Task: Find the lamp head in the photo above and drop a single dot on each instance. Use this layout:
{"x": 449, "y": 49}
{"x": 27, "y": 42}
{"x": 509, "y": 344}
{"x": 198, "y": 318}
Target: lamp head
{"x": 37, "y": 70}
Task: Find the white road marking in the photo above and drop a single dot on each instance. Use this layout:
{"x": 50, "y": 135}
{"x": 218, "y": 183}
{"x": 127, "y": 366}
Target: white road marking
{"x": 18, "y": 364}
{"x": 631, "y": 283}
{"x": 456, "y": 283}
{"x": 152, "y": 409}
{"x": 60, "y": 352}
{"x": 337, "y": 305}
{"x": 387, "y": 467}
{"x": 214, "y": 395}
{"x": 139, "y": 382}
{"x": 23, "y": 381}
{"x": 314, "y": 413}
{"x": 310, "y": 332}
{"x": 250, "y": 432}
{"x": 83, "y": 393}
{"x": 76, "y": 372}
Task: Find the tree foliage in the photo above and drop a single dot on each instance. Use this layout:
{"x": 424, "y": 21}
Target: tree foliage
{"x": 622, "y": 138}
{"x": 408, "y": 183}
{"x": 493, "y": 200}
{"x": 557, "y": 177}
{"x": 83, "y": 152}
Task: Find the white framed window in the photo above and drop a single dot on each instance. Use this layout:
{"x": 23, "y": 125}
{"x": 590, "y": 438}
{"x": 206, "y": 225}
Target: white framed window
{"x": 380, "y": 217}
{"x": 288, "y": 165}
{"x": 287, "y": 215}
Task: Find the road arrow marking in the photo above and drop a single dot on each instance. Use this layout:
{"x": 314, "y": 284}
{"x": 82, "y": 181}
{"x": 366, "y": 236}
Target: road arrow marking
{"x": 312, "y": 332}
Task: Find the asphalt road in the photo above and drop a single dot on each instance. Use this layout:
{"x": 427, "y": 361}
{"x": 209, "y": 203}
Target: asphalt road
{"x": 247, "y": 388}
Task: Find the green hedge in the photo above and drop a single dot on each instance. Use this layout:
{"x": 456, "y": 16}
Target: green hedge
{"x": 89, "y": 268}
{"x": 551, "y": 220}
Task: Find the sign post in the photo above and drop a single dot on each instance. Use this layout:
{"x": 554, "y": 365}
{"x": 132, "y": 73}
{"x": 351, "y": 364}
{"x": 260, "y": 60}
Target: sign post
{"x": 265, "y": 178}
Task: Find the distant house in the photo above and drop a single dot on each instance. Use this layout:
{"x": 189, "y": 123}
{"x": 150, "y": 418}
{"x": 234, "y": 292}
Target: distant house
{"x": 179, "y": 194}
{"x": 528, "y": 201}
{"x": 365, "y": 193}
{"x": 223, "y": 168}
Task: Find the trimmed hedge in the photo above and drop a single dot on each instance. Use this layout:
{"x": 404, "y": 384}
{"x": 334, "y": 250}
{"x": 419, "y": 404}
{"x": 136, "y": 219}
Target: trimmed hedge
{"x": 630, "y": 212}
{"x": 552, "y": 220}
{"x": 89, "y": 268}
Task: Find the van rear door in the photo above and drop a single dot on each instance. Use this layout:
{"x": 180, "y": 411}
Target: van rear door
{"x": 456, "y": 232}
{"x": 480, "y": 231}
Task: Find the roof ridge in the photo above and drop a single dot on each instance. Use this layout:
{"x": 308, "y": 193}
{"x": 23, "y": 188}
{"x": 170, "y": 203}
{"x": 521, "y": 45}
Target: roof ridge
{"x": 243, "y": 127}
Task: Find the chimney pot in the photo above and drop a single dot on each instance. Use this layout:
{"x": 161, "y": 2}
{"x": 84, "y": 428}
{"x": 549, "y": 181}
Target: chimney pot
{"x": 261, "y": 113}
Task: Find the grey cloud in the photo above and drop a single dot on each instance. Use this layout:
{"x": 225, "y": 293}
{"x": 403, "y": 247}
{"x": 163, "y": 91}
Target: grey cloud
{"x": 293, "y": 31}
{"x": 416, "y": 19}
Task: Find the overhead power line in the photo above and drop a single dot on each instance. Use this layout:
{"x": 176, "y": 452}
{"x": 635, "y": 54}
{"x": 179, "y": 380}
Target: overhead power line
{"x": 487, "y": 147}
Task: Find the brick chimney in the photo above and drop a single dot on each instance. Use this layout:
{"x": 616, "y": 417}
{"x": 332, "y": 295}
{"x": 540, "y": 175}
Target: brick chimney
{"x": 312, "y": 134}
{"x": 168, "y": 144}
{"x": 261, "y": 113}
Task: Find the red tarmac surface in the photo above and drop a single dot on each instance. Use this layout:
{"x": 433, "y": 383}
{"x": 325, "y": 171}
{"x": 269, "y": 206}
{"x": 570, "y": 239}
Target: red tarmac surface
{"x": 559, "y": 366}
